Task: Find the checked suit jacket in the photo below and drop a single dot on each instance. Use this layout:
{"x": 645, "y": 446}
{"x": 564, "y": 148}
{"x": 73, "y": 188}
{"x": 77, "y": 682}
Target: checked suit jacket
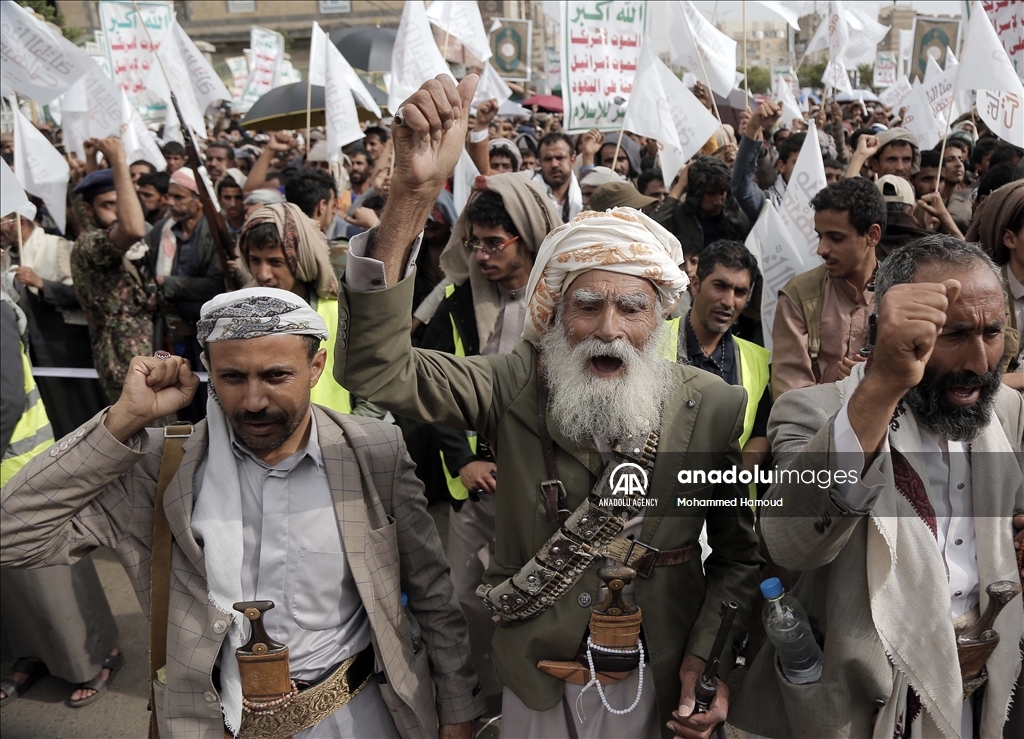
{"x": 89, "y": 490}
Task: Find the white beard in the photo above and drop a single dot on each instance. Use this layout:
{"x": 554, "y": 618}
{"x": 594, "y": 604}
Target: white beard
{"x": 588, "y": 407}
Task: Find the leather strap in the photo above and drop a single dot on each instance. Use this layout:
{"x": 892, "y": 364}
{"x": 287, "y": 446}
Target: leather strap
{"x": 160, "y": 572}
{"x": 644, "y": 558}
{"x": 551, "y": 488}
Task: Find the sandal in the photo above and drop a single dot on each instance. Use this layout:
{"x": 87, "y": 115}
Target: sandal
{"x": 98, "y": 683}
{"x": 35, "y": 670}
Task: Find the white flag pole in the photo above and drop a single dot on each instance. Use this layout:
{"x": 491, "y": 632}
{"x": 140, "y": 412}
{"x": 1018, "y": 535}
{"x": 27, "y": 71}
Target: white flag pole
{"x": 309, "y": 103}
{"x": 703, "y": 69}
{"x": 746, "y": 77}
{"x": 618, "y": 144}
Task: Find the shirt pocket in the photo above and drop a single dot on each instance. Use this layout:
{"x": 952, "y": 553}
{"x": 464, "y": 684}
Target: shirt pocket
{"x": 316, "y": 592}
{"x": 383, "y": 563}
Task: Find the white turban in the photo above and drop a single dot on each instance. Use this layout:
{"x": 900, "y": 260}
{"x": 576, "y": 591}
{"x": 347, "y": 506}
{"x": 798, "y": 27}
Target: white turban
{"x": 622, "y": 240}
{"x": 255, "y": 312}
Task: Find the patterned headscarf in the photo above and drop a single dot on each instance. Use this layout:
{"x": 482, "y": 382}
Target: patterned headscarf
{"x": 621, "y": 240}
{"x": 257, "y": 311}
{"x": 303, "y": 243}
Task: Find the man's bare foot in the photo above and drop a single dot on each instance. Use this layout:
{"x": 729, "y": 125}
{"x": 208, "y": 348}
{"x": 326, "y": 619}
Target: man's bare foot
{"x": 82, "y": 693}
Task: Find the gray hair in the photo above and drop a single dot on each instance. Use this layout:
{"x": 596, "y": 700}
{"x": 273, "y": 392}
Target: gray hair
{"x": 900, "y": 267}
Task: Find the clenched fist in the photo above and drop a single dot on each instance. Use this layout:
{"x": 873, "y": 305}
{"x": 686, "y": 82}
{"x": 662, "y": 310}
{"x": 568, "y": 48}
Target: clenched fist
{"x": 153, "y": 388}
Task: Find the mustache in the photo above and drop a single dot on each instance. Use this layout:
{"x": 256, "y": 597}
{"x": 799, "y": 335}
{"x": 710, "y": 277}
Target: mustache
{"x": 988, "y": 381}
{"x": 618, "y": 348}
{"x": 264, "y": 416}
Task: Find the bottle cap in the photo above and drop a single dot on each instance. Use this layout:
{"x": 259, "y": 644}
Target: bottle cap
{"x": 772, "y": 588}
{"x": 405, "y": 599}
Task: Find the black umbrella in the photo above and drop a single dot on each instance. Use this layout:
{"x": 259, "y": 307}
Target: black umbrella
{"x": 730, "y": 107}
{"x": 366, "y": 47}
{"x": 284, "y": 108}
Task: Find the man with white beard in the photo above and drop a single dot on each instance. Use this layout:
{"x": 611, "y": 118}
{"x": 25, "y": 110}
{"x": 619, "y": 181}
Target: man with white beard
{"x": 584, "y": 391}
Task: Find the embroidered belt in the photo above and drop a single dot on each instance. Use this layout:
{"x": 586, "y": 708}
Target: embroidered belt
{"x": 589, "y": 534}
{"x": 314, "y": 701}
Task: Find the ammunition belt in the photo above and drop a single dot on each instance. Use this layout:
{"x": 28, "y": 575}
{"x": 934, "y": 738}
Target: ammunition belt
{"x": 590, "y": 533}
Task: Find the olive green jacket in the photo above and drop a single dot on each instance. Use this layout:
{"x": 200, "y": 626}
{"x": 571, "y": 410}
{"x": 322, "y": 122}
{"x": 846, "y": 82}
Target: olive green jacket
{"x": 497, "y": 396}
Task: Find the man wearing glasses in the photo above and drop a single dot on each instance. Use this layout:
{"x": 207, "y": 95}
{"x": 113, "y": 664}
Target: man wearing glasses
{"x": 488, "y": 258}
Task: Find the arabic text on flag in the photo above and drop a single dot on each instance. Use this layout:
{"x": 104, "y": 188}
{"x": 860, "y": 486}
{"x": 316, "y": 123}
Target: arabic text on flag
{"x": 599, "y": 60}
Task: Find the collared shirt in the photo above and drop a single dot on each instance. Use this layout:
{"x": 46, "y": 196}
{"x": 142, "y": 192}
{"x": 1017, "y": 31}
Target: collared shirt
{"x": 952, "y": 497}
{"x": 570, "y": 207}
{"x": 293, "y": 555}
{"x": 843, "y": 331}
{"x": 509, "y": 327}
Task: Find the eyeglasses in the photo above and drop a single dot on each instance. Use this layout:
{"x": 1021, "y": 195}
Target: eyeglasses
{"x": 488, "y": 246}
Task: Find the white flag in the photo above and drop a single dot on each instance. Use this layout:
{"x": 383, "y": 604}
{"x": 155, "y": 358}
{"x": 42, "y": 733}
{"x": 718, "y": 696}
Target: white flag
{"x": 662, "y": 108}
{"x": 491, "y": 87}
{"x": 919, "y": 119}
{"x": 985, "y": 67}
{"x": 778, "y": 259}
{"x": 239, "y": 69}
{"x": 782, "y": 94}
{"x": 91, "y": 109}
{"x": 807, "y": 179}
{"x": 267, "y": 57}
{"x": 835, "y": 76}
{"x": 692, "y": 38}
{"x": 207, "y": 86}
{"x": 320, "y": 51}
{"x": 12, "y": 194}
{"x": 938, "y": 90}
{"x": 139, "y": 142}
{"x": 415, "y": 58}
{"x": 790, "y": 16}
{"x": 895, "y": 96}
{"x": 339, "y": 106}
{"x": 859, "y": 35}
{"x": 462, "y": 20}
{"x": 838, "y": 29}
{"x": 37, "y": 61}
{"x": 463, "y": 177}
{"x": 40, "y": 168}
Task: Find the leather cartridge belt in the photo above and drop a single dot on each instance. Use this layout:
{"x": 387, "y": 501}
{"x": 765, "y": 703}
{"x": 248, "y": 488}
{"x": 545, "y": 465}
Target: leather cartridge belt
{"x": 589, "y": 534}
{"x": 314, "y": 702}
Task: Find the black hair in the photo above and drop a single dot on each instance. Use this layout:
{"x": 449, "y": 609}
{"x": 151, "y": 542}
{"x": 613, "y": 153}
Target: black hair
{"x": 144, "y": 163}
{"x": 775, "y": 136}
{"x": 791, "y": 146}
{"x": 855, "y": 136}
{"x": 503, "y": 151}
{"x": 996, "y": 177}
{"x": 859, "y": 197}
{"x": 375, "y": 203}
{"x": 379, "y": 132}
{"x": 730, "y": 254}
{"x": 958, "y": 142}
{"x": 173, "y": 148}
{"x": 222, "y": 145}
{"x": 984, "y": 147}
{"x": 1004, "y": 153}
{"x": 159, "y": 180}
{"x": 308, "y": 187}
{"x": 553, "y": 138}
{"x": 488, "y": 209}
{"x": 647, "y": 177}
{"x": 227, "y": 181}
{"x": 833, "y": 164}
{"x": 929, "y": 159}
{"x": 357, "y": 150}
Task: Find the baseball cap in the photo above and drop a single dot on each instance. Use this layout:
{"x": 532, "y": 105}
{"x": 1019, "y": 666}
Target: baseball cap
{"x": 616, "y": 194}
{"x": 896, "y": 189}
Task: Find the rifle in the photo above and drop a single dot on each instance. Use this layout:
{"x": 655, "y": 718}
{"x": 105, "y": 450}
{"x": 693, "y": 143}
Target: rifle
{"x": 707, "y": 685}
{"x": 218, "y": 228}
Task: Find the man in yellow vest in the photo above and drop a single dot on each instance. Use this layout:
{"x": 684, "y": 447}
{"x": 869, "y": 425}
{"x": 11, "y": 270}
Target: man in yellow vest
{"x": 284, "y": 248}
{"x": 489, "y": 258}
{"x": 703, "y": 338}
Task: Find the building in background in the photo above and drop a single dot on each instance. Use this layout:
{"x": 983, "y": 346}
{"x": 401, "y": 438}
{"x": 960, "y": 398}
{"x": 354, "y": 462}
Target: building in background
{"x": 769, "y": 43}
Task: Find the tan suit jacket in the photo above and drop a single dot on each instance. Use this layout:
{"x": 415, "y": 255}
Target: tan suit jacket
{"x": 497, "y": 396}
{"x": 89, "y": 491}
{"x": 817, "y": 535}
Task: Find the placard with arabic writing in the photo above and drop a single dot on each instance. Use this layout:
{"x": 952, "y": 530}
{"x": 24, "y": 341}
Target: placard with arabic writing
{"x": 600, "y": 50}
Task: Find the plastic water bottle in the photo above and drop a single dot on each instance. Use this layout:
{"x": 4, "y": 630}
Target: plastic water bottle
{"x": 415, "y": 632}
{"x": 789, "y": 629}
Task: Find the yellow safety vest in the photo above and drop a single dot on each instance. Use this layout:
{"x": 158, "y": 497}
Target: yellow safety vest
{"x": 33, "y": 433}
{"x": 753, "y": 373}
{"x": 455, "y": 487}
{"x": 327, "y": 392}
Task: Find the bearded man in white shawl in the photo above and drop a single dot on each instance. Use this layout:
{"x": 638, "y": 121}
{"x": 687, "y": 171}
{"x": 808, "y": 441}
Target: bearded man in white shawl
{"x": 274, "y": 499}
{"x": 585, "y": 391}
{"x": 905, "y": 529}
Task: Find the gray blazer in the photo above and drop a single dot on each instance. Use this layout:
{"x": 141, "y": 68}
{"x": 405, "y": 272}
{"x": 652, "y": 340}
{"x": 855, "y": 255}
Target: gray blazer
{"x": 825, "y": 541}
{"x": 89, "y": 491}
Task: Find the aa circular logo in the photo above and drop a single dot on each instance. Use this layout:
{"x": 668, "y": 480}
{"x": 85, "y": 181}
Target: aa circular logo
{"x": 628, "y": 479}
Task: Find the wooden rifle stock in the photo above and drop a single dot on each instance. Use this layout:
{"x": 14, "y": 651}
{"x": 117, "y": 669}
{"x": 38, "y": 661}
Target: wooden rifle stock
{"x": 214, "y": 219}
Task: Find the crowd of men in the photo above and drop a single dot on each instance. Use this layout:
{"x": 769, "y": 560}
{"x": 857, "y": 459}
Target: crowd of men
{"x": 502, "y": 355}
